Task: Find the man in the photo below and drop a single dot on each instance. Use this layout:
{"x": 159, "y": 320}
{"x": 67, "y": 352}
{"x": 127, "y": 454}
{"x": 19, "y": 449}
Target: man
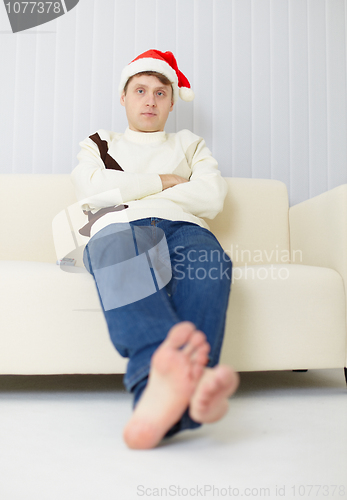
{"x": 139, "y": 189}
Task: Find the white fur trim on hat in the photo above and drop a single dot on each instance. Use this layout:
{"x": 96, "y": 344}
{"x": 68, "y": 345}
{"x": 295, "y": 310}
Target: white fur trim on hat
{"x": 149, "y": 64}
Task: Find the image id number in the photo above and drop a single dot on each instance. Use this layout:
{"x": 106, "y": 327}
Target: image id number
{"x": 314, "y": 490}
{"x": 31, "y": 7}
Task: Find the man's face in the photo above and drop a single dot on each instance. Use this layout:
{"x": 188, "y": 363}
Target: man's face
{"x": 147, "y": 103}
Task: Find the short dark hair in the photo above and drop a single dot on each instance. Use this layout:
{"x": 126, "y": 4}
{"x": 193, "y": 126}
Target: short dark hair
{"x": 162, "y": 78}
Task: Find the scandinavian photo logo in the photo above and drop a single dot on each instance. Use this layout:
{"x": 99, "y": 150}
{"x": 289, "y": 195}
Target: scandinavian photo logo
{"x": 24, "y": 15}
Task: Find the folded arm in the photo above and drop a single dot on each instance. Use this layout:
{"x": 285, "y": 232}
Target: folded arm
{"x": 202, "y": 195}
{"x": 106, "y": 187}
{"x": 205, "y": 192}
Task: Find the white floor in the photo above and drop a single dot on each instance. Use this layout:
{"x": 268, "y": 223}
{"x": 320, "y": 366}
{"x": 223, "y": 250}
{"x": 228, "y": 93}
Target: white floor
{"x": 284, "y": 437}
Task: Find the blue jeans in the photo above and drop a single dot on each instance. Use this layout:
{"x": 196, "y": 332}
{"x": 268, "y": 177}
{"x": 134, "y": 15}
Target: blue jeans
{"x": 198, "y": 292}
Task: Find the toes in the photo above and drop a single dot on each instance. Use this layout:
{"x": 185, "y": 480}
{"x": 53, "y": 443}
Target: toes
{"x": 200, "y": 356}
{"x": 210, "y": 401}
{"x": 190, "y": 341}
{"x": 221, "y": 382}
{"x": 195, "y": 343}
{"x": 197, "y": 371}
{"x": 180, "y": 334}
{"x": 227, "y": 379}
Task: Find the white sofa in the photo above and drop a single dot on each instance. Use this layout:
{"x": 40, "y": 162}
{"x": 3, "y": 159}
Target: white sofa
{"x": 283, "y": 315}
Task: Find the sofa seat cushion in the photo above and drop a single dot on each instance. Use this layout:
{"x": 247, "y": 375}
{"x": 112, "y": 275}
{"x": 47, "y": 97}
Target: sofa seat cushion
{"x": 279, "y": 317}
{"x": 285, "y": 316}
{"x": 51, "y": 322}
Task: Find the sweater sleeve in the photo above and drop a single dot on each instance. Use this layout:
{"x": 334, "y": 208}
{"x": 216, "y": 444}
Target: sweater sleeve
{"x": 98, "y": 187}
{"x": 205, "y": 192}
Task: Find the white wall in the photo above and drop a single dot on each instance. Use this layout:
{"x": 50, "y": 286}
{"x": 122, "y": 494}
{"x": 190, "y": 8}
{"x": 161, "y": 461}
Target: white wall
{"x": 269, "y": 78}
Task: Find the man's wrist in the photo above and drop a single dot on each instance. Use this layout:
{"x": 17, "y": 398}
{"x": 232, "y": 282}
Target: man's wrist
{"x": 165, "y": 180}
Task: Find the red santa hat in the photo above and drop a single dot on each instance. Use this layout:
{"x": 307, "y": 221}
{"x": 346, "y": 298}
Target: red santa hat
{"x": 161, "y": 62}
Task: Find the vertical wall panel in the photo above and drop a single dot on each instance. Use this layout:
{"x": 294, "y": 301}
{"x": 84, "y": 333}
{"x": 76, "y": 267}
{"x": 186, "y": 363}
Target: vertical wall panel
{"x": 185, "y": 56}
{"x": 145, "y": 27}
{"x": 261, "y": 89}
{"x": 166, "y": 40}
{"x": 123, "y": 52}
{"x": 43, "y": 104}
{"x": 337, "y": 111}
{"x": 203, "y": 64}
{"x": 242, "y": 88}
{"x": 223, "y": 78}
{"x": 269, "y": 78}
{"x": 102, "y": 77}
{"x": 317, "y": 66}
{"x": 8, "y": 96}
{"x": 280, "y": 109}
{"x": 83, "y": 75}
{"x": 63, "y": 147}
{"x": 298, "y": 85}
{"x": 165, "y": 26}
{"x": 24, "y": 106}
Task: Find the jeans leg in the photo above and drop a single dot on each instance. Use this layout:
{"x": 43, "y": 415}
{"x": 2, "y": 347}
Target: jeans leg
{"x": 137, "y": 328}
{"x": 198, "y": 292}
{"x": 199, "y": 289}
{"x": 200, "y": 286}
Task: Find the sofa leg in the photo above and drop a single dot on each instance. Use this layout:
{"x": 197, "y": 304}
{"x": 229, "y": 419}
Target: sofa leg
{"x": 345, "y": 374}
{"x": 300, "y": 371}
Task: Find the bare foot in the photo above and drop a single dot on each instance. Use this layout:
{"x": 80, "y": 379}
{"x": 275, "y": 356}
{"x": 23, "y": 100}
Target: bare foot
{"x": 210, "y": 400}
{"x": 176, "y": 368}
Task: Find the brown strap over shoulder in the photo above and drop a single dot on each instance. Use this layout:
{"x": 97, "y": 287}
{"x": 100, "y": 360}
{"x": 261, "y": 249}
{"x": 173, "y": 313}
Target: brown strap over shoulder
{"x": 111, "y": 163}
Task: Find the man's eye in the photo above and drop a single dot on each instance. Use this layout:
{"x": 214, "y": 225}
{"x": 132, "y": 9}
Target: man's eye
{"x": 140, "y": 91}
{"x": 161, "y": 93}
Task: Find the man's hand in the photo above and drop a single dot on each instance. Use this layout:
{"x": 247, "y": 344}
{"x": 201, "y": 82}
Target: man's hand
{"x": 170, "y": 180}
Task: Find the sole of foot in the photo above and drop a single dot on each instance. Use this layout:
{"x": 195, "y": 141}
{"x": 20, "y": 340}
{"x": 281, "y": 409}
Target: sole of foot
{"x": 176, "y": 368}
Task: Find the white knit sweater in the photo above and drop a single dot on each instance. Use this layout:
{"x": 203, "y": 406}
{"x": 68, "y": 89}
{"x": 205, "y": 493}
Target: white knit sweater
{"x": 143, "y": 156}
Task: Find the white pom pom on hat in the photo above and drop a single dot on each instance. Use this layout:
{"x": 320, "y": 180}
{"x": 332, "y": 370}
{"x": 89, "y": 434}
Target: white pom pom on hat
{"x": 161, "y": 62}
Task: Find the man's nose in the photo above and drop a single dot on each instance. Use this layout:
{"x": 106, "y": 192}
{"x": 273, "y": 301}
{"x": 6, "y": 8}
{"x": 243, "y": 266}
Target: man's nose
{"x": 151, "y": 101}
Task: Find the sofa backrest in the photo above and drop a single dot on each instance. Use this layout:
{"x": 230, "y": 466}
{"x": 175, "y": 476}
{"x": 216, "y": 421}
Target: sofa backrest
{"x": 30, "y": 202}
{"x": 253, "y": 227}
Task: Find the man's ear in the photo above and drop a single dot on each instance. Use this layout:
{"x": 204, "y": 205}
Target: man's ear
{"x": 172, "y": 105}
{"x": 122, "y": 99}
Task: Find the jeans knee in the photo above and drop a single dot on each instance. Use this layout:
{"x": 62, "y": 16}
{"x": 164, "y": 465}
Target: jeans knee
{"x": 221, "y": 269}
{"x": 212, "y": 266}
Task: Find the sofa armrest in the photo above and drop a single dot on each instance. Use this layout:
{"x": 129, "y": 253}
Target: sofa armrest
{"x": 318, "y": 231}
